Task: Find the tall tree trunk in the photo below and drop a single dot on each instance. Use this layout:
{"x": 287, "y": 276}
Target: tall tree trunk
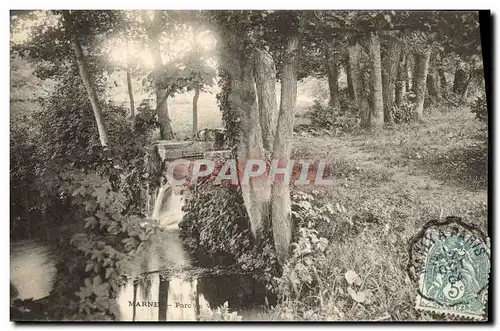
{"x": 442, "y": 79}
{"x": 364, "y": 99}
{"x": 350, "y": 88}
{"x": 440, "y": 75}
{"x": 280, "y": 192}
{"x": 361, "y": 70}
{"x": 460, "y": 80}
{"x": 401, "y": 80}
{"x": 414, "y": 77}
{"x": 408, "y": 72}
{"x": 166, "y": 132}
{"x": 243, "y": 100}
{"x": 377, "y": 113}
{"x": 391, "y": 65}
{"x": 421, "y": 70}
{"x": 353, "y": 52}
{"x": 89, "y": 87}
{"x": 432, "y": 84}
{"x": 131, "y": 97}
{"x": 467, "y": 85}
{"x": 332, "y": 70}
{"x": 195, "y": 110}
{"x": 265, "y": 80}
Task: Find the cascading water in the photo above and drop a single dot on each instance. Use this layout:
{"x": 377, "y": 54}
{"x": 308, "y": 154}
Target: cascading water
{"x": 159, "y": 201}
{"x": 167, "y": 209}
{"x": 143, "y": 299}
{"x": 169, "y": 291}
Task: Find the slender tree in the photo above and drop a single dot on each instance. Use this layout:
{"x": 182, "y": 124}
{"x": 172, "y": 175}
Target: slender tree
{"x": 331, "y": 61}
{"x": 460, "y": 79}
{"x": 421, "y": 70}
{"x": 389, "y": 77}
{"x": 280, "y": 195}
{"x": 400, "y": 80}
{"x": 242, "y": 99}
{"x": 377, "y": 111}
{"x": 353, "y": 52}
{"x": 265, "y": 80}
{"x": 162, "y": 93}
{"x": 85, "y": 76}
{"x": 195, "y": 110}
{"x": 130, "y": 92}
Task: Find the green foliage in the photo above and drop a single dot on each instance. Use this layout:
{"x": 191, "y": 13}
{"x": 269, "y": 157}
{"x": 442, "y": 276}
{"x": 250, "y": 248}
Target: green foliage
{"x": 230, "y": 117}
{"x": 311, "y": 211}
{"x": 94, "y": 261}
{"x": 404, "y": 113}
{"x": 63, "y": 176}
{"x": 220, "y": 314}
{"x": 303, "y": 273}
{"x": 480, "y": 108}
{"x": 111, "y": 239}
{"x": 342, "y": 118}
{"x": 213, "y": 229}
{"x": 216, "y": 230}
{"x": 454, "y": 100}
{"x": 189, "y": 74}
{"x": 300, "y": 273}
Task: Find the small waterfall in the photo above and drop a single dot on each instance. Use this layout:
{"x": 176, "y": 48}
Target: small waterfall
{"x": 168, "y": 206}
{"x": 159, "y": 201}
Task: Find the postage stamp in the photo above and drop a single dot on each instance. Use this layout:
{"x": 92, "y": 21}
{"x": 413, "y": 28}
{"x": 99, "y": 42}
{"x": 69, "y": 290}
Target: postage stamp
{"x": 450, "y": 263}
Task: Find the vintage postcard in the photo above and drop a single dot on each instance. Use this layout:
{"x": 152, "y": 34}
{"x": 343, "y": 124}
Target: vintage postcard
{"x": 249, "y": 165}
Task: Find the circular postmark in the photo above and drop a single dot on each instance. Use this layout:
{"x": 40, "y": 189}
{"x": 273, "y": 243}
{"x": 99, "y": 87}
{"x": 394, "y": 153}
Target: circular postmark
{"x": 449, "y": 263}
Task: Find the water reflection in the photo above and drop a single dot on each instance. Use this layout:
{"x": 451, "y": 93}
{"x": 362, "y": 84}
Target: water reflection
{"x": 32, "y": 269}
{"x": 152, "y": 298}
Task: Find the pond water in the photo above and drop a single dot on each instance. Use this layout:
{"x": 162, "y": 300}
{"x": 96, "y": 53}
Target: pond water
{"x": 32, "y": 268}
{"x": 156, "y": 298}
{"x": 164, "y": 285}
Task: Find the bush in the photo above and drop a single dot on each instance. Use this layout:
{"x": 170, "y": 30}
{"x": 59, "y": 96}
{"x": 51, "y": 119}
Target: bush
{"x": 480, "y": 108}
{"x": 97, "y": 192}
{"x": 300, "y": 285}
{"x": 215, "y": 225}
{"x": 404, "y": 113}
{"x": 215, "y": 229}
{"x": 300, "y": 270}
{"x": 342, "y": 118}
{"x": 454, "y": 100}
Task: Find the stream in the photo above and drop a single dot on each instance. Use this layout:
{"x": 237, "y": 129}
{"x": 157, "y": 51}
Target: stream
{"x": 154, "y": 292}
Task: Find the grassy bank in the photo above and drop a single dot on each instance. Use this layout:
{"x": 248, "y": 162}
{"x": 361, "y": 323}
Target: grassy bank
{"x": 388, "y": 184}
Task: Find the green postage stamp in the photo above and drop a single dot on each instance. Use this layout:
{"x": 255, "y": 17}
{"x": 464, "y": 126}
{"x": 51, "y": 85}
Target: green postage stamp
{"x": 450, "y": 262}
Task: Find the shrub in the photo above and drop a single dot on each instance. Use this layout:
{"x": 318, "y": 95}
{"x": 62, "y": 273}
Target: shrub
{"x": 339, "y": 119}
{"x": 480, "y": 108}
{"x": 404, "y": 113}
{"x": 300, "y": 270}
{"x": 98, "y": 192}
{"x": 222, "y": 313}
{"x": 454, "y": 100}
{"x": 215, "y": 230}
{"x": 215, "y": 224}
